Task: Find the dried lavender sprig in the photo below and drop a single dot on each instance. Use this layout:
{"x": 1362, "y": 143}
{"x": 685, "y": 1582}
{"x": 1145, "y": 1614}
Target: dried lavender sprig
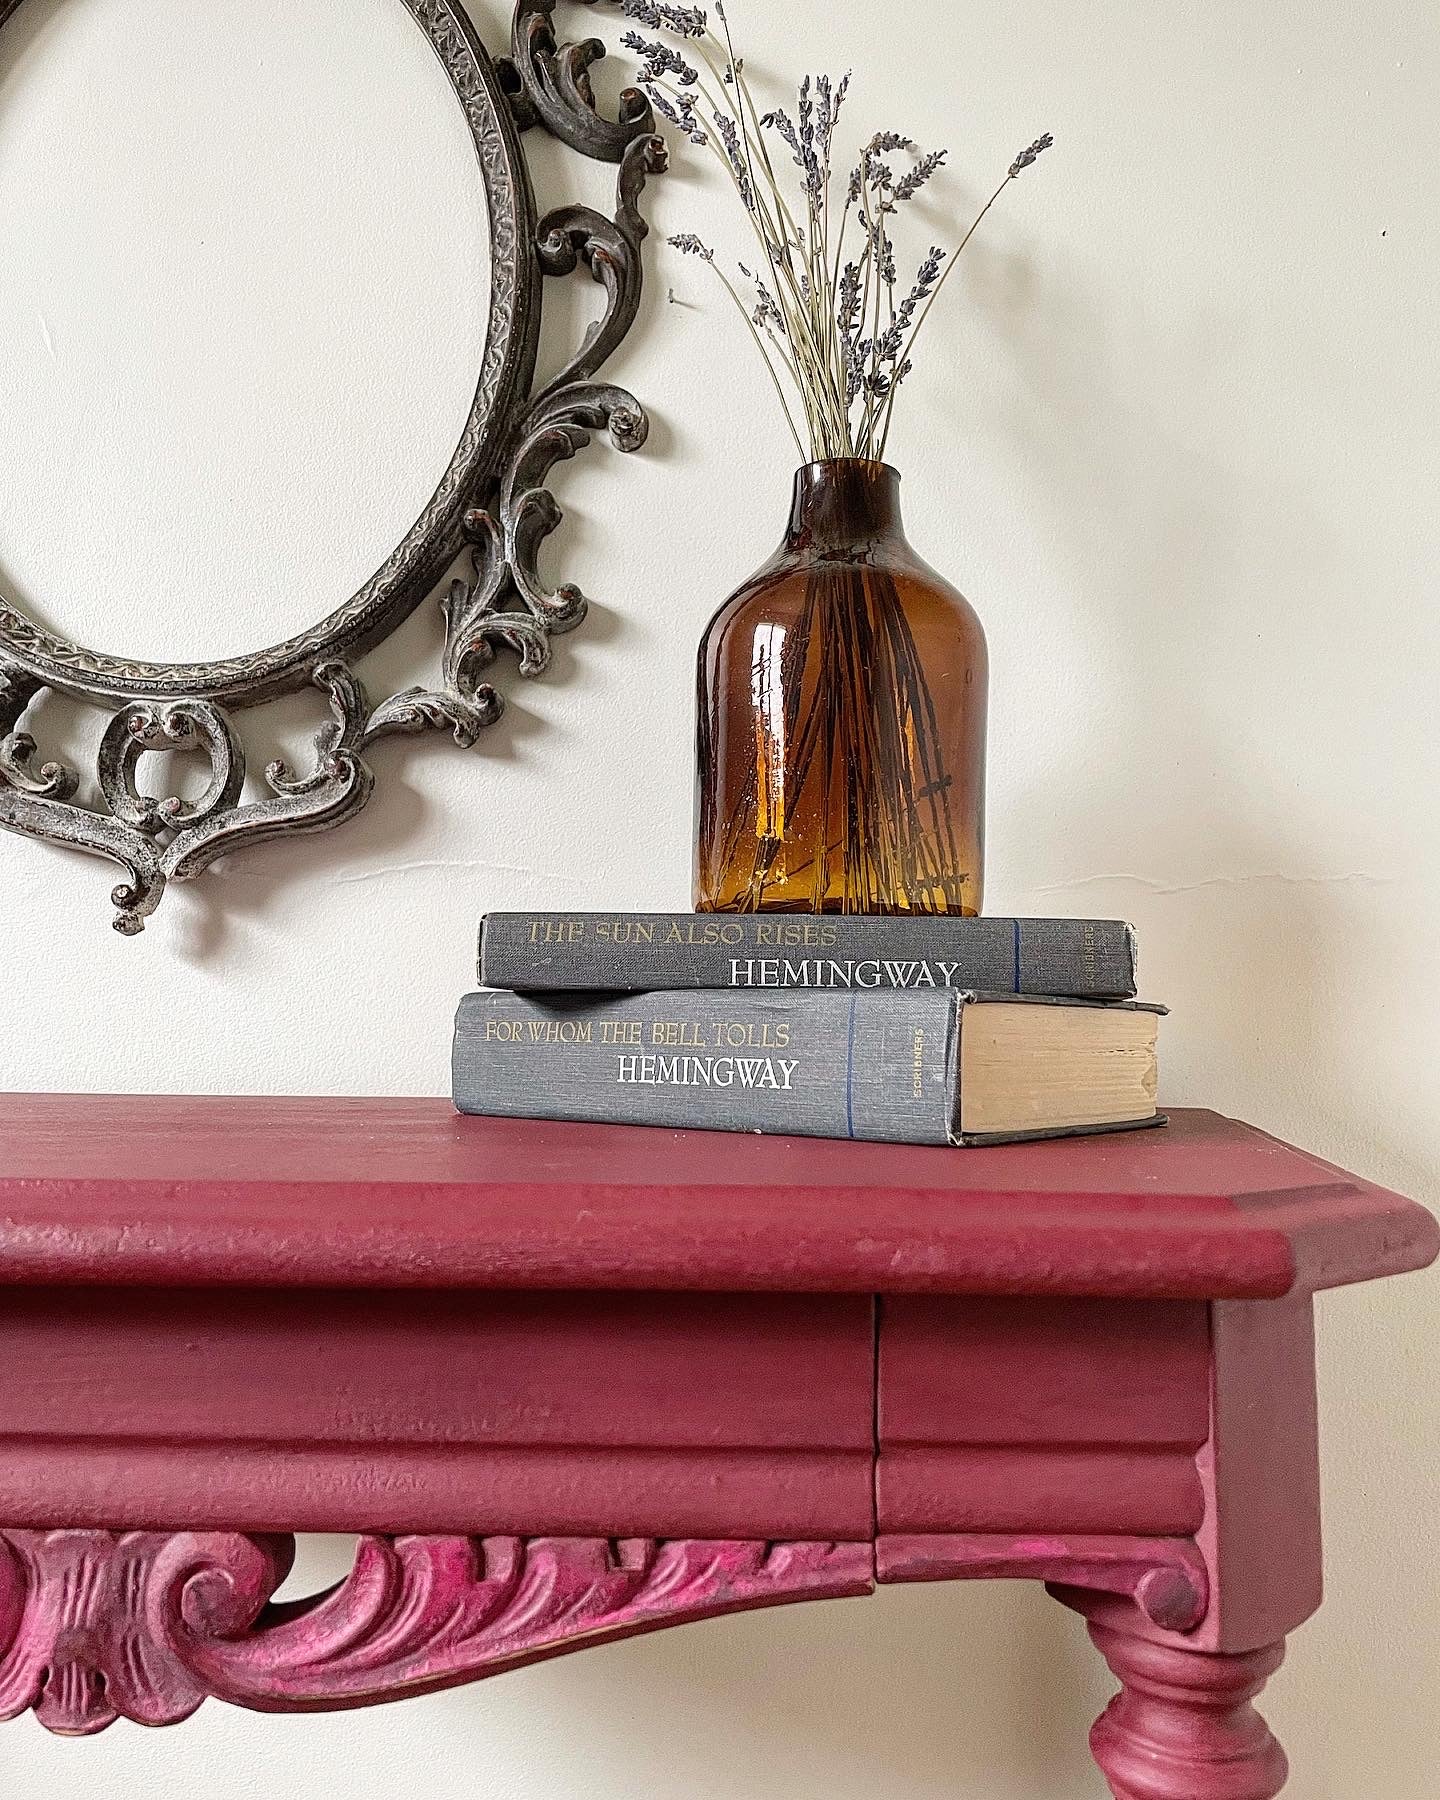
{"x": 805, "y": 110}
{"x": 925, "y": 278}
{"x": 767, "y": 307}
{"x": 684, "y": 21}
{"x": 733, "y": 75}
{"x": 818, "y": 311}
{"x": 749, "y": 110}
{"x": 872, "y": 167}
{"x": 800, "y": 146}
{"x": 1029, "y": 154}
{"x": 811, "y": 279}
{"x": 1022, "y": 161}
{"x": 735, "y": 160}
{"x": 832, "y": 104}
{"x": 804, "y": 326}
{"x": 802, "y": 330}
{"x": 847, "y": 315}
{"x": 729, "y": 133}
{"x": 914, "y": 179}
{"x": 681, "y": 113}
{"x": 660, "y": 59}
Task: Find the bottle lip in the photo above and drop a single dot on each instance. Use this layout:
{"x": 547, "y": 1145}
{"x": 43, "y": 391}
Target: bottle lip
{"x": 858, "y": 464}
{"x": 843, "y": 502}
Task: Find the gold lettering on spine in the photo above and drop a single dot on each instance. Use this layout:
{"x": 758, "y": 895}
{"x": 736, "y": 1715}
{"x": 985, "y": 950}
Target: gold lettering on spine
{"x": 557, "y": 931}
{"x": 561, "y": 1031}
{"x": 794, "y": 934}
{"x": 764, "y": 1036}
{"x": 676, "y": 1034}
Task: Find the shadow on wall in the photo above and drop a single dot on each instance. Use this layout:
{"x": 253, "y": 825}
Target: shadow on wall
{"x": 930, "y": 1693}
{"x": 979, "y": 1693}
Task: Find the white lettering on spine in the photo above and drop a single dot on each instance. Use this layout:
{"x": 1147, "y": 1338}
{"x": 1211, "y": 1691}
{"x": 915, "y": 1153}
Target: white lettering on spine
{"x": 761, "y": 972}
{"x": 707, "y": 1071}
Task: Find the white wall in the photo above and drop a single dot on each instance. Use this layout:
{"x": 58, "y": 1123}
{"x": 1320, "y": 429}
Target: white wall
{"x": 1174, "y": 436}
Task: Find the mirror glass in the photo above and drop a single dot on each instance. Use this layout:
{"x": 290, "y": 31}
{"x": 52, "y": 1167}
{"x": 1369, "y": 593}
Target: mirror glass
{"x": 243, "y": 301}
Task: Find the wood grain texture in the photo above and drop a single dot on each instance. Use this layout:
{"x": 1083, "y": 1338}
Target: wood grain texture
{"x": 399, "y": 1193}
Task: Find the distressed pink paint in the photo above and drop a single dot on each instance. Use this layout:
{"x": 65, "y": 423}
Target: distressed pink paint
{"x": 569, "y": 1384}
{"x": 145, "y": 1625}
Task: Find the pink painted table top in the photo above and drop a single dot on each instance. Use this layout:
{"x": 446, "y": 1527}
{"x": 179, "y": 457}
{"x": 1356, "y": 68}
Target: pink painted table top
{"x": 391, "y": 1193}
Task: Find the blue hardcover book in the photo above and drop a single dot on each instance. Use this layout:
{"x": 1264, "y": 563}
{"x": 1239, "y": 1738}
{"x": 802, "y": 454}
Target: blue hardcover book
{"x": 642, "y": 952}
{"x": 929, "y": 1066}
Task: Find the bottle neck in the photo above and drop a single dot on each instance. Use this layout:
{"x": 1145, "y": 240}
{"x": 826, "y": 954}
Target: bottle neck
{"x": 844, "y": 504}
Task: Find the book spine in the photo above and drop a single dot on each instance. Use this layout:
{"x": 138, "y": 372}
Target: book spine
{"x": 648, "y": 952}
{"x": 880, "y": 1067}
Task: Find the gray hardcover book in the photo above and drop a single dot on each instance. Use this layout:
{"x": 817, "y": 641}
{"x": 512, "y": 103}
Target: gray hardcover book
{"x": 887, "y": 1066}
{"x": 646, "y": 952}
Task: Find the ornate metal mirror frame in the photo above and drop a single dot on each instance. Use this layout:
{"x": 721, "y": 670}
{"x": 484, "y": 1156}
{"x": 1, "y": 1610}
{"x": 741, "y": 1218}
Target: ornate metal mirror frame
{"x": 492, "y": 500}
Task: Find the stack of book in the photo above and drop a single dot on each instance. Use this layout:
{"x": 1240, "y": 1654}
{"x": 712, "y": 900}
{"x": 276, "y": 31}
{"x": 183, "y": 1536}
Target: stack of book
{"x": 906, "y": 1030}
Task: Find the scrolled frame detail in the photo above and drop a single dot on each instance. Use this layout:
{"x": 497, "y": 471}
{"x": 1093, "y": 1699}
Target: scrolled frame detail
{"x": 491, "y": 513}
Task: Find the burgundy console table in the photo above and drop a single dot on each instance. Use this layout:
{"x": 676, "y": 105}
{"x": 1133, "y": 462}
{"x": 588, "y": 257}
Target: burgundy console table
{"x": 571, "y": 1383}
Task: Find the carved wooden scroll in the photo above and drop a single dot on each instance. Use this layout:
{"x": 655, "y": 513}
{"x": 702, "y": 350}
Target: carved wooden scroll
{"x": 98, "y": 1625}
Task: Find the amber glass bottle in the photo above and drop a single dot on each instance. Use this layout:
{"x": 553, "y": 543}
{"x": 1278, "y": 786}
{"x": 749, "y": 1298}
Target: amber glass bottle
{"x": 841, "y": 726}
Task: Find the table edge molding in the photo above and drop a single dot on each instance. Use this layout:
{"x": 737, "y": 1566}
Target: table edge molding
{"x": 1165, "y": 1578}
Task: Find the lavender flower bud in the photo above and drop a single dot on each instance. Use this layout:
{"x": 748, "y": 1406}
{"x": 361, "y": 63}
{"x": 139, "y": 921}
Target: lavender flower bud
{"x": 848, "y": 302}
{"x": 1028, "y": 155}
{"x": 767, "y": 312}
{"x": 730, "y": 137}
{"x": 926, "y": 277}
{"x": 889, "y": 344}
{"x": 684, "y": 21}
{"x": 660, "y": 59}
{"x": 661, "y": 104}
{"x": 822, "y": 123}
{"x": 910, "y": 184}
{"x": 884, "y": 142}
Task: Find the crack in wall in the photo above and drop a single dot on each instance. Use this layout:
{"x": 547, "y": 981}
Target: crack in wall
{"x": 1359, "y": 876}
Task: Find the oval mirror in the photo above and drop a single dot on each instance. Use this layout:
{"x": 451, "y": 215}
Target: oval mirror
{"x": 269, "y": 309}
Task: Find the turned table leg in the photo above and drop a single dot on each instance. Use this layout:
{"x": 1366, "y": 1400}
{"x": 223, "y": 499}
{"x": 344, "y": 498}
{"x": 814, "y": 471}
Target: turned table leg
{"x": 1182, "y": 1726}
